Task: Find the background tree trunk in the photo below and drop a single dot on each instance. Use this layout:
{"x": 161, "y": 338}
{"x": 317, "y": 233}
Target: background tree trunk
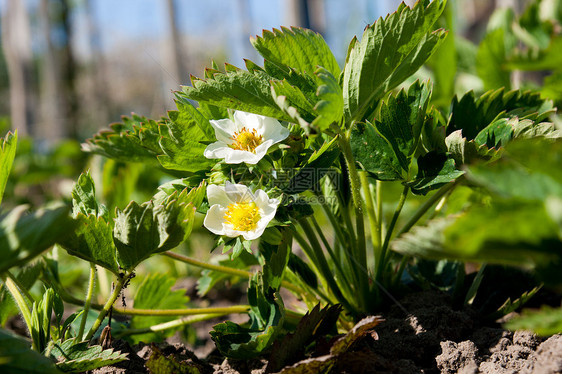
{"x": 16, "y": 44}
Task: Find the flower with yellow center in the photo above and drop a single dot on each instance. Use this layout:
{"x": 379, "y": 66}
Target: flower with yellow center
{"x": 235, "y": 210}
{"x": 247, "y": 138}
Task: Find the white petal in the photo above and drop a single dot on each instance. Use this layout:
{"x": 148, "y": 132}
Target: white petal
{"x": 247, "y": 120}
{"x": 257, "y": 232}
{"x": 272, "y": 129}
{"x": 237, "y": 156}
{"x": 217, "y": 195}
{"x": 217, "y": 150}
{"x": 214, "y": 220}
{"x": 238, "y": 192}
{"x": 224, "y": 128}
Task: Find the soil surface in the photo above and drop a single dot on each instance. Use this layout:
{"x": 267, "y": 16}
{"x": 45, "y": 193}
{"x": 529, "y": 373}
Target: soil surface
{"x": 421, "y": 334}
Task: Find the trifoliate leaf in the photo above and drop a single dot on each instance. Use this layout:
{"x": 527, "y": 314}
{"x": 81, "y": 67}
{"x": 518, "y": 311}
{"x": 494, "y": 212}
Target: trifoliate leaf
{"x": 80, "y": 358}
{"x": 143, "y": 230}
{"x": 135, "y": 139}
{"x": 240, "y": 90}
{"x": 472, "y": 115}
{"x": 92, "y": 240}
{"x": 184, "y": 139}
{"x": 297, "y": 47}
{"x": 7, "y": 153}
{"x": 390, "y": 50}
{"x": 155, "y": 293}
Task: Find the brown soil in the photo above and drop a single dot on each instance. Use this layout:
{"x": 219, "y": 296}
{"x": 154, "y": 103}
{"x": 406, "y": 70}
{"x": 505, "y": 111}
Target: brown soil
{"x": 423, "y": 334}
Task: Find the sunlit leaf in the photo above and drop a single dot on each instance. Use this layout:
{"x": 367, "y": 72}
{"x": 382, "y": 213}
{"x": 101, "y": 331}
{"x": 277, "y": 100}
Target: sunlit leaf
{"x": 297, "y": 47}
{"x": 390, "y": 50}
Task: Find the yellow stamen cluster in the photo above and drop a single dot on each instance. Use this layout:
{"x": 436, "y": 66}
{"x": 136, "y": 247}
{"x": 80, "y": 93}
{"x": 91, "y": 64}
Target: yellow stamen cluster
{"x": 246, "y": 140}
{"x": 242, "y": 216}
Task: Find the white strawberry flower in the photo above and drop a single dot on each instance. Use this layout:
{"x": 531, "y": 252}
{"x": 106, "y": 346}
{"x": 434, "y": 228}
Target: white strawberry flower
{"x": 246, "y": 139}
{"x": 235, "y": 210}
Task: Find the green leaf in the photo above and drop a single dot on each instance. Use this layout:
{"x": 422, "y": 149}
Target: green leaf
{"x": 143, "y": 230}
{"x": 434, "y": 170}
{"x": 84, "y": 198}
{"x": 330, "y": 104}
{"x": 390, "y": 51}
{"x": 240, "y": 90}
{"x": 24, "y": 236}
{"x": 316, "y": 167}
{"x": 401, "y": 119}
{"x": 472, "y": 115}
{"x": 134, "y": 140}
{"x": 443, "y": 62}
{"x": 301, "y": 268}
{"x": 92, "y": 240}
{"x": 491, "y": 59}
{"x": 546, "y": 59}
{"x": 293, "y": 102}
{"x": 511, "y": 306}
{"x": 17, "y": 357}
{"x": 464, "y": 151}
{"x": 185, "y": 138}
{"x": 374, "y": 153}
{"x": 544, "y": 322}
{"x": 530, "y": 171}
{"x": 7, "y": 153}
{"x": 80, "y": 358}
{"x": 497, "y": 133}
{"x": 296, "y": 47}
{"x": 155, "y": 293}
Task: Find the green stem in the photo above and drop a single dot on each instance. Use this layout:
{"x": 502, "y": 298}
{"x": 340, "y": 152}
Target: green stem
{"x": 88, "y": 302}
{"x": 19, "y": 299}
{"x": 378, "y": 197}
{"x": 371, "y": 214}
{"x": 168, "y": 325}
{"x": 425, "y": 207}
{"x": 225, "y": 270}
{"x": 360, "y": 248}
{"x": 23, "y": 289}
{"x": 335, "y": 259}
{"x": 182, "y": 312}
{"x": 108, "y": 305}
{"x": 384, "y": 249}
{"x": 320, "y": 261}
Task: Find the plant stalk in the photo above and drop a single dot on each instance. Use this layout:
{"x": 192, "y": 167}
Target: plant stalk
{"x": 386, "y": 243}
{"x": 425, "y": 207}
{"x": 360, "y": 255}
{"x": 88, "y": 302}
{"x": 108, "y": 305}
{"x": 226, "y": 270}
{"x": 19, "y": 299}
